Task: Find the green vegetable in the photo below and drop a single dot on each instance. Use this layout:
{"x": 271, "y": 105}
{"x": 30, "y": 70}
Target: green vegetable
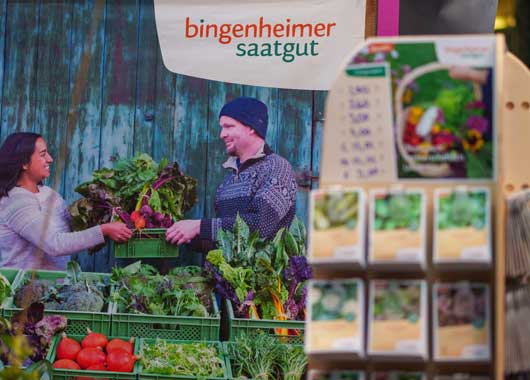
{"x": 5, "y": 288}
{"x": 293, "y": 362}
{"x": 182, "y": 359}
{"x": 463, "y": 209}
{"x": 396, "y": 211}
{"x": 336, "y": 209}
{"x": 139, "y": 288}
{"x": 255, "y": 356}
{"x": 395, "y": 300}
{"x": 334, "y": 300}
{"x": 74, "y": 293}
{"x": 131, "y": 184}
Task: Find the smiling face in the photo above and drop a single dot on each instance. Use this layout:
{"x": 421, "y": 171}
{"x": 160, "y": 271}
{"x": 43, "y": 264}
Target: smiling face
{"x": 39, "y": 166}
{"x": 238, "y": 138}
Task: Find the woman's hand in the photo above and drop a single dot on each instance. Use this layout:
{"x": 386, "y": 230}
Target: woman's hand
{"x": 116, "y": 231}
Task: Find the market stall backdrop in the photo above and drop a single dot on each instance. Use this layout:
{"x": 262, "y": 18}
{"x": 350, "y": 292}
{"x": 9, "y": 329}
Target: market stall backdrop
{"x": 88, "y": 76}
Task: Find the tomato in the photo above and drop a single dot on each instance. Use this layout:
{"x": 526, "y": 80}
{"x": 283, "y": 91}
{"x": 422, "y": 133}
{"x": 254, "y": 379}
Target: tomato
{"x": 119, "y": 343}
{"x": 120, "y": 360}
{"x": 68, "y": 348}
{"x": 66, "y": 364}
{"x": 94, "y": 340}
{"x": 90, "y": 356}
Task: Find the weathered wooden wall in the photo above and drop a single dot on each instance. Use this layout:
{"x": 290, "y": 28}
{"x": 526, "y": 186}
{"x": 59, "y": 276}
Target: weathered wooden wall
{"x": 89, "y": 76}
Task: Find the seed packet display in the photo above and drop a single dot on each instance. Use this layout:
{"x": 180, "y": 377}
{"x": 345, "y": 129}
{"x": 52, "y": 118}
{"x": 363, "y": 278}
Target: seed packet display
{"x": 398, "y": 375}
{"x": 337, "y": 226}
{"x": 397, "y": 227}
{"x": 335, "y": 317}
{"x": 461, "y": 322}
{"x": 397, "y": 318}
{"x": 335, "y": 375}
{"x": 462, "y": 224}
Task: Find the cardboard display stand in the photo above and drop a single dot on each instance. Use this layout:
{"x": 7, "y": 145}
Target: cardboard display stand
{"x": 511, "y": 117}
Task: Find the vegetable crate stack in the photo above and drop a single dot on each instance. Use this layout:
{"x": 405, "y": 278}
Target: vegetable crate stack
{"x": 8, "y": 276}
{"x": 79, "y": 296}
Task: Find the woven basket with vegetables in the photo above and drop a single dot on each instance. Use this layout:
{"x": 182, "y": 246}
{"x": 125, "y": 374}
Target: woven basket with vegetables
{"x": 440, "y": 121}
{"x": 147, "y": 196}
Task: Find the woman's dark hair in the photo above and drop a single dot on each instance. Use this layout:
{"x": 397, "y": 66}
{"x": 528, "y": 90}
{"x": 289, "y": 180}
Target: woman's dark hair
{"x": 15, "y": 152}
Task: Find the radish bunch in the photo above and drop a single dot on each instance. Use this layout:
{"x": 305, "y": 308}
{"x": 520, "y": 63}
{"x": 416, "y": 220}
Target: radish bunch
{"x": 95, "y": 353}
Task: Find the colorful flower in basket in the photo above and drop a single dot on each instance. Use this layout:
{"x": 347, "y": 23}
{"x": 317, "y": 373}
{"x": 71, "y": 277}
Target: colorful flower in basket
{"x": 414, "y": 115}
{"x": 443, "y": 138}
{"x": 478, "y": 123}
{"x": 473, "y": 141}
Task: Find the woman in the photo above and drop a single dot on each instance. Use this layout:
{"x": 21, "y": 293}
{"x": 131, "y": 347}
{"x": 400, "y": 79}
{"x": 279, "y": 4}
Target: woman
{"x": 34, "y": 221}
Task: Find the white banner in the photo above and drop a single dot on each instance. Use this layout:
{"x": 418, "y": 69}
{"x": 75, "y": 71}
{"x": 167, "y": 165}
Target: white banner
{"x": 296, "y": 44}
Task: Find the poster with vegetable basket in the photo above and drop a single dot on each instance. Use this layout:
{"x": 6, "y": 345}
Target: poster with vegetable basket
{"x": 462, "y": 225}
{"x": 337, "y": 226}
{"x": 461, "y": 322}
{"x": 443, "y": 104}
{"x": 336, "y": 317}
{"x": 335, "y": 375}
{"x": 397, "y": 318}
{"x": 397, "y": 226}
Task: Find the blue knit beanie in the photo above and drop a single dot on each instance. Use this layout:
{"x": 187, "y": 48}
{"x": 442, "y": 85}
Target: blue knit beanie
{"x": 248, "y": 111}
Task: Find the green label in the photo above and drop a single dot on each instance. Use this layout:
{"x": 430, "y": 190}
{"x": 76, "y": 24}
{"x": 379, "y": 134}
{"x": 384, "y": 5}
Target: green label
{"x": 367, "y": 72}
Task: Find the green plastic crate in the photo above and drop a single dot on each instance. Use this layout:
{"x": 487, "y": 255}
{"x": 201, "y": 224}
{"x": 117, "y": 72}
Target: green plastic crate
{"x": 239, "y": 326}
{"x": 230, "y": 361}
{"x": 166, "y": 327}
{"x": 78, "y": 321}
{"x": 12, "y": 275}
{"x": 72, "y": 374}
{"x": 150, "y": 242}
{"x": 150, "y": 376}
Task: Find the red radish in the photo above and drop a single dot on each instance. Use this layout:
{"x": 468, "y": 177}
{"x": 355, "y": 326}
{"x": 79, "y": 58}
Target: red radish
{"x": 97, "y": 367}
{"x": 90, "y": 356}
{"x": 66, "y": 364}
{"x": 68, "y": 348}
{"x": 119, "y": 343}
{"x": 94, "y": 340}
{"x": 135, "y": 215}
{"x": 120, "y": 360}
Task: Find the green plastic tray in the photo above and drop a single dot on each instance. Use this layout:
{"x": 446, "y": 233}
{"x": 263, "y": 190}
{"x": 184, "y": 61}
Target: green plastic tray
{"x": 166, "y": 327}
{"x": 239, "y": 326}
{"x": 230, "y": 361}
{"x": 150, "y": 242}
{"x": 72, "y": 374}
{"x": 150, "y": 376}
{"x": 78, "y": 321}
{"x": 12, "y": 275}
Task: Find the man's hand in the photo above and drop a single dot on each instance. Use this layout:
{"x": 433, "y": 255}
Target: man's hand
{"x": 183, "y": 231}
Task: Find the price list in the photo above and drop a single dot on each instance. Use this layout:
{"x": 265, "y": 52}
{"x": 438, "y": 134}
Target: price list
{"x": 361, "y": 145}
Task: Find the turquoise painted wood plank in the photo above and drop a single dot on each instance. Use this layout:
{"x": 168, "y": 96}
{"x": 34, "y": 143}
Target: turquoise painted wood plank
{"x": 119, "y": 85}
{"x": 163, "y": 139}
{"x": 318, "y": 129}
{"x": 190, "y": 144}
{"x": 218, "y": 94}
{"x": 84, "y": 114}
{"x": 3, "y": 20}
{"x": 190, "y": 134}
{"x": 119, "y": 89}
{"x": 145, "y": 79}
{"x": 295, "y": 119}
{"x": 19, "y": 94}
{"x": 52, "y": 87}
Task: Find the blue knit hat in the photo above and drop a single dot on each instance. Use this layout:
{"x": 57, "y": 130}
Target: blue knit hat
{"x": 248, "y": 111}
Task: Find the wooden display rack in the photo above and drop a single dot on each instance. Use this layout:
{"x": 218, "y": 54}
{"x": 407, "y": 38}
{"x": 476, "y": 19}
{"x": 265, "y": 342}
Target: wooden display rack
{"x": 513, "y": 173}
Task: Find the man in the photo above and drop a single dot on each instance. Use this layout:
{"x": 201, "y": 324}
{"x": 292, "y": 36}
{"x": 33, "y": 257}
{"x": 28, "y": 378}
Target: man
{"x": 261, "y": 187}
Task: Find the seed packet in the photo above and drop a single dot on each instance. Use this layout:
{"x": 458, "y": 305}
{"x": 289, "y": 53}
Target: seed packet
{"x": 462, "y": 225}
{"x": 397, "y": 227}
{"x": 335, "y": 316}
{"x": 398, "y": 314}
{"x": 398, "y": 375}
{"x": 461, "y": 322}
{"x": 335, "y": 375}
{"x": 337, "y": 226}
